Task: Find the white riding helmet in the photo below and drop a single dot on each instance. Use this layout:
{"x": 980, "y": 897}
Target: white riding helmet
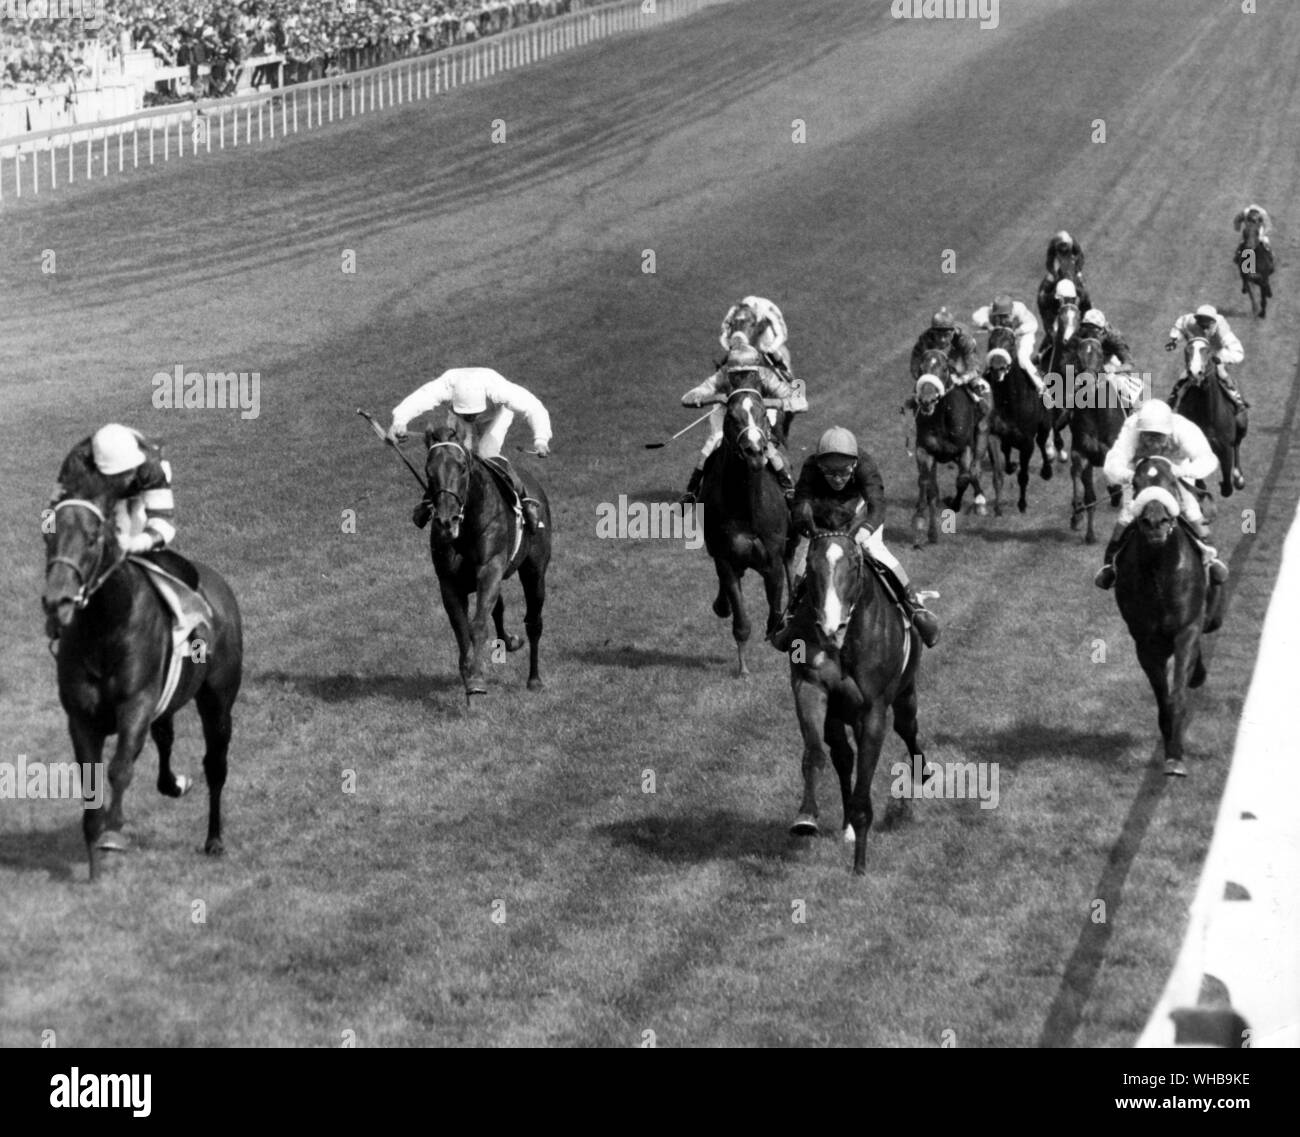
{"x": 1096, "y": 317}
{"x": 1065, "y": 290}
{"x": 469, "y": 396}
{"x": 1209, "y": 311}
{"x": 1155, "y": 417}
{"x": 1062, "y": 238}
{"x": 116, "y": 449}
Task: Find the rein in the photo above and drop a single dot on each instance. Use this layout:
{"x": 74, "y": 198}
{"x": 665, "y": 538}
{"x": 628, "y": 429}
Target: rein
{"x": 96, "y": 578}
{"x": 460, "y": 501}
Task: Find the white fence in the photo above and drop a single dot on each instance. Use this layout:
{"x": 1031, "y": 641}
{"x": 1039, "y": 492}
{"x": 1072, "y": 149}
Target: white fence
{"x": 1237, "y": 978}
{"x": 43, "y": 160}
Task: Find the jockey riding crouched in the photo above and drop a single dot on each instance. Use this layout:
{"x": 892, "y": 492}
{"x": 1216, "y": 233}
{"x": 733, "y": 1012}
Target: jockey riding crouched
{"x": 1118, "y": 358}
{"x": 761, "y": 323}
{"x": 1062, "y": 245}
{"x": 837, "y": 486}
{"x": 744, "y": 368}
{"x": 1005, "y": 312}
{"x": 143, "y": 510}
{"x": 1065, "y": 292}
{"x": 1208, "y": 324}
{"x": 482, "y": 403}
{"x": 946, "y": 335}
{"x": 1156, "y": 431}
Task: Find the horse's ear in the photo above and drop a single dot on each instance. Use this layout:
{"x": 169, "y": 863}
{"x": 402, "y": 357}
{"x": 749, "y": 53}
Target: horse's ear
{"x": 428, "y": 437}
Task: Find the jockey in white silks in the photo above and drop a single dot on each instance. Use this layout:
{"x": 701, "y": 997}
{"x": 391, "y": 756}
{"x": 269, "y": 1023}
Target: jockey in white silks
{"x": 1253, "y": 221}
{"x": 1206, "y": 323}
{"x": 1157, "y": 430}
{"x": 481, "y": 405}
{"x": 763, "y": 326}
{"x": 1005, "y": 312}
{"x": 744, "y": 367}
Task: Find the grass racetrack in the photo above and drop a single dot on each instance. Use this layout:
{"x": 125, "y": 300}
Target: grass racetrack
{"x": 618, "y": 911}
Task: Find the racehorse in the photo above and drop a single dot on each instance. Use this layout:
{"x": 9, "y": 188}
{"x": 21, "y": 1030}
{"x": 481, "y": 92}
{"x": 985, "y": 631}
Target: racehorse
{"x": 476, "y": 541}
{"x": 947, "y": 430}
{"x": 1069, "y": 270}
{"x": 1164, "y": 594}
{"x": 114, "y": 648}
{"x": 860, "y": 658}
{"x": 745, "y": 515}
{"x": 1254, "y": 261}
{"x": 1095, "y": 421}
{"x": 1020, "y": 418}
{"x": 1204, "y": 401}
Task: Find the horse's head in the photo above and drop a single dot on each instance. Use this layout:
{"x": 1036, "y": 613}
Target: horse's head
{"x": 745, "y": 427}
{"x": 935, "y": 362}
{"x": 1156, "y": 503}
{"x": 833, "y": 583}
{"x": 1067, "y": 322}
{"x": 80, "y": 548}
{"x": 447, "y": 470}
{"x": 1002, "y": 351}
{"x": 929, "y": 390}
{"x": 1196, "y": 358}
{"x": 744, "y": 320}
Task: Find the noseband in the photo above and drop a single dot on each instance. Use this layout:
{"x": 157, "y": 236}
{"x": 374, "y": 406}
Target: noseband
{"x": 92, "y": 583}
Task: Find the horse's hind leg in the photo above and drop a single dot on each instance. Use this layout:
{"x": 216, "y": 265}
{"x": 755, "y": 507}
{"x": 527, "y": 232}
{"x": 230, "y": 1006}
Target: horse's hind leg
{"x": 533, "y": 579}
{"x": 905, "y": 726}
{"x": 837, "y": 738}
{"x": 512, "y": 643}
{"x": 1022, "y": 478}
{"x": 214, "y": 710}
{"x": 163, "y": 733}
{"x": 810, "y": 705}
{"x": 870, "y": 735}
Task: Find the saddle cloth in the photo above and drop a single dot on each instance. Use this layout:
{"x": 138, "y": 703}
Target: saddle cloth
{"x": 501, "y": 472}
{"x": 192, "y": 619}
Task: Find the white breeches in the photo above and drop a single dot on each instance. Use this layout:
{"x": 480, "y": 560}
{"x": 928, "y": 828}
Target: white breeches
{"x": 488, "y": 434}
{"x": 1025, "y": 351}
{"x": 874, "y": 546}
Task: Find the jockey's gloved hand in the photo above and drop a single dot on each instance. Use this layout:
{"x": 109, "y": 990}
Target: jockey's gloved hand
{"x": 421, "y": 513}
{"x": 1171, "y": 345}
{"x": 396, "y": 434}
{"x": 140, "y": 543}
{"x": 543, "y": 449}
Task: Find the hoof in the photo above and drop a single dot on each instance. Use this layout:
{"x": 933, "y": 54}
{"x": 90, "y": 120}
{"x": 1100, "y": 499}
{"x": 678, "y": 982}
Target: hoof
{"x": 1063, "y": 456}
{"x": 722, "y": 607}
{"x": 214, "y": 847}
{"x": 805, "y": 825}
{"x": 112, "y": 841}
{"x": 475, "y": 687}
{"x": 534, "y": 684}
{"x": 1090, "y": 538}
{"x": 848, "y": 835}
{"x": 1238, "y": 480}
{"x": 981, "y": 511}
{"x": 859, "y": 870}
{"x": 514, "y": 643}
{"x": 1174, "y": 768}
{"x": 180, "y": 786}
{"x": 1022, "y": 506}
{"x": 1046, "y": 472}
{"x": 1011, "y": 467}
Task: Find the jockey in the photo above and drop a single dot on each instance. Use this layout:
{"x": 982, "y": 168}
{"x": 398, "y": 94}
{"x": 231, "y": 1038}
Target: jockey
{"x": 140, "y": 482}
{"x": 946, "y": 335}
{"x": 1156, "y": 430}
{"x": 1005, "y": 312}
{"x": 1062, "y": 245}
{"x": 841, "y": 489}
{"x": 1207, "y": 323}
{"x": 744, "y": 367}
{"x": 482, "y": 404}
{"x": 1093, "y": 325}
{"x": 1253, "y": 221}
{"x": 763, "y": 326}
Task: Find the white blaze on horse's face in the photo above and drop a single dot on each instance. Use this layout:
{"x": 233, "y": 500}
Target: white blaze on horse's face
{"x": 752, "y": 433}
{"x": 1198, "y": 357}
{"x": 832, "y": 613}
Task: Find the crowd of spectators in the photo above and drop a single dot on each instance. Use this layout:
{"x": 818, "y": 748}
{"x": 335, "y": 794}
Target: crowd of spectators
{"x": 316, "y": 37}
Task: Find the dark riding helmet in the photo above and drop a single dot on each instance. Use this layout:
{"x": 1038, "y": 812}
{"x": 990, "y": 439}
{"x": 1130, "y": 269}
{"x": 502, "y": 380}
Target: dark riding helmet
{"x": 1001, "y": 310}
{"x": 943, "y": 320}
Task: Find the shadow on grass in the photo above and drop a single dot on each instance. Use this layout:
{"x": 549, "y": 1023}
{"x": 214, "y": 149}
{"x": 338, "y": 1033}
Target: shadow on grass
{"x": 59, "y": 852}
{"x": 695, "y": 839}
{"x": 1060, "y": 533}
{"x": 635, "y": 658}
{"x": 1030, "y": 741}
{"x": 345, "y": 688}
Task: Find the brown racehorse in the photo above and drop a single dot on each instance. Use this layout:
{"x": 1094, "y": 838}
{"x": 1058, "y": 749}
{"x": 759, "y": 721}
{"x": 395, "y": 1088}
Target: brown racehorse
{"x": 1166, "y": 599}
{"x": 1020, "y": 420}
{"x": 1204, "y": 401}
{"x": 853, "y": 659}
{"x": 1095, "y": 421}
{"x": 473, "y": 548}
{"x": 947, "y": 430}
{"x": 114, "y": 646}
{"x": 1047, "y": 306}
{"x": 745, "y": 516}
{"x": 1254, "y": 261}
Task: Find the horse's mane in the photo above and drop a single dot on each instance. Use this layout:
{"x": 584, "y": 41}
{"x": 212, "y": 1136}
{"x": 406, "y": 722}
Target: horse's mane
{"x": 79, "y": 476}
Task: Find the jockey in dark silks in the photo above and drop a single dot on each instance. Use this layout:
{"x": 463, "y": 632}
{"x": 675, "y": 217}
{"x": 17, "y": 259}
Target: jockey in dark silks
{"x": 946, "y": 335}
{"x": 1062, "y": 245}
{"x": 1094, "y": 325}
{"x": 841, "y": 490}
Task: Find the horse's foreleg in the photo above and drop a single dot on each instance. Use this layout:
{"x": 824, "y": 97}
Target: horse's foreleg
{"x": 869, "y": 735}
{"x": 455, "y": 602}
{"x": 922, "y": 501}
{"x": 533, "y": 578}
{"x": 996, "y": 463}
{"x": 905, "y": 726}
{"x": 214, "y": 706}
{"x": 1022, "y": 476}
{"x": 1089, "y": 502}
{"x": 774, "y": 585}
{"x": 836, "y": 735}
{"x": 729, "y": 591}
{"x": 103, "y": 827}
{"x": 1155, "y": 664}
{"x": 487, "y": 593}
{"x": 1186, "y": 657}
{"x": 810, "y": 704}
{"x": 88, "y": 751}
{"x": 509, "y": 642}
{"x": 1043, "y": 437}
{"x": 163, "y": 733}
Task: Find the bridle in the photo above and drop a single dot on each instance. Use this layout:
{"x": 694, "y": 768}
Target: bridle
{"x": 756, "y": 430}
{"x": 441, "y": 490}
{"x": 94, "y": 580}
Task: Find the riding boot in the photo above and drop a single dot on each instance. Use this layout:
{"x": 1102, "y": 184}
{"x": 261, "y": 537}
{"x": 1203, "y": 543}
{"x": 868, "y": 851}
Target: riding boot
{"x": 787, "y": 483}
{"x": 529, "y": 507}
{"x": 1218, "y": 570}
{"x": 783, "y": 637}
{"x": 1177, "y": 393}
{"x": 691, "y": 496}
{"x": 1105, "y": 577}
{"x": 922, "y": 618}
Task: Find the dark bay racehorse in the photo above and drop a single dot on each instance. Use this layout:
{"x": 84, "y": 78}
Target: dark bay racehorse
{"x": 1095, "y": 421}
{"x": 1254, "y": 262}
{"x": 854, "y": 658}
{"x": 1020, "y": 420}
{"x": 1047, "y": 308}
{"x": 115, "y": 643}
{"x": 472, "y": 543}
{"x": 1164, "y": 595}
{"x": 1204, "y": 401}
{"x": 947, "y": 430}
{"x": 745, "y": 516}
